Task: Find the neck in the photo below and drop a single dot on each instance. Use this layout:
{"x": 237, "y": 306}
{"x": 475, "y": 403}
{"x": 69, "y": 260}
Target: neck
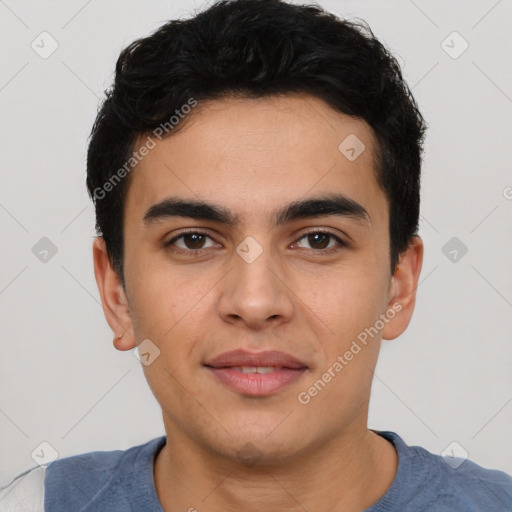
{"x": 349, "y": 473}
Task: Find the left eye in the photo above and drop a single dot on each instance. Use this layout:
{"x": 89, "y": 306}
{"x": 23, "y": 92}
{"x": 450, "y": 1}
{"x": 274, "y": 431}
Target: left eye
{"x": 321, "y": 239}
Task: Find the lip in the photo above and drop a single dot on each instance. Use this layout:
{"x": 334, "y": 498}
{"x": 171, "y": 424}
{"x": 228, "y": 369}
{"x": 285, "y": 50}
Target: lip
{"x": 288, "y": 370}
{"x": 242, "y": 357}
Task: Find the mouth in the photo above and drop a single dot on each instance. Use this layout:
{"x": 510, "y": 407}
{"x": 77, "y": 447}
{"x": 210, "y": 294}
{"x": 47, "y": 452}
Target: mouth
{"x": 256, "y": 374}
{"x": 256, "y": 369}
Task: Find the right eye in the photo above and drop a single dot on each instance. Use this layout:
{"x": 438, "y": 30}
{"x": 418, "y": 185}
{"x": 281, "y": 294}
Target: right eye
{"x": 192, "y": 242}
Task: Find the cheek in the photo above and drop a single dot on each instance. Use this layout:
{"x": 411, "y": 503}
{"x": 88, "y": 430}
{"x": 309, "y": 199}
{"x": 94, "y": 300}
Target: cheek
{"x": 346, "y": 301}
{"x": 350, "y": 344}
{"x": 171, "y": 309}
{"x": 163, "y": 297}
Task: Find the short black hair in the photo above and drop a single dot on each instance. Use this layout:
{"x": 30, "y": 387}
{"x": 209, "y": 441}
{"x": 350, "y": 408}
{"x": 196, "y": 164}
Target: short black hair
{"x": 256, "y": 48}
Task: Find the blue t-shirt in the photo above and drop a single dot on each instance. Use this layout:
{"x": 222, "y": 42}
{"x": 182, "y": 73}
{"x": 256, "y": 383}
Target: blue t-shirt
{"x": 122, "y": 481}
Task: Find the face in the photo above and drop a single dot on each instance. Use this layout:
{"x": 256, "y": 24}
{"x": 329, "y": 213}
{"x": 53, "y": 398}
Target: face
{"x": 308, "y": 281}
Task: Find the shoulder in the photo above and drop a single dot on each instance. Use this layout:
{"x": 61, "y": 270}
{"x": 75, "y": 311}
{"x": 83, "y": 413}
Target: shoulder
{"x": 476, "y": 487}
{"x": 24, "y": 492}
{"x": 99, "y": 478}
{"x": 453, "y": 483}
{"x": 104, "y": 479}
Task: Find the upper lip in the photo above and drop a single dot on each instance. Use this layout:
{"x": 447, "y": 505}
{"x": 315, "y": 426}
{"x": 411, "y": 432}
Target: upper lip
{"x": 242, "y": 357}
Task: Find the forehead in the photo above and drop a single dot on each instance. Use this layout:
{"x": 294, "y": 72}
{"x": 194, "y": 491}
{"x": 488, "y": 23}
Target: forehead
{"x": 253, "y": 154}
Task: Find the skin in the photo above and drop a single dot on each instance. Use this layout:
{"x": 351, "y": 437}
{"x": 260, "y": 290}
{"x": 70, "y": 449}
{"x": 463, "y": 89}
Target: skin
{"x": 253, "y": 156}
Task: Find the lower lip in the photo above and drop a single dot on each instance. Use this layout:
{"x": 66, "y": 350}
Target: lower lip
{"x": 256, "y": 384}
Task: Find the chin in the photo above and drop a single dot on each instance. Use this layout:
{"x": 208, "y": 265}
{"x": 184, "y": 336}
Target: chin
{"x": 259, "y": 445}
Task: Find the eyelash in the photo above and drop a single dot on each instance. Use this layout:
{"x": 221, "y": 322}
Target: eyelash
{"x": 198, "y": 252}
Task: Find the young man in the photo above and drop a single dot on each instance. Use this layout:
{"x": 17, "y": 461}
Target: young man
{"x": 256, "y": 176}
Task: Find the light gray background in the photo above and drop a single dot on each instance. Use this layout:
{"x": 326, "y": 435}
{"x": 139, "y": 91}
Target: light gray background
{"x": 448, "y": 378}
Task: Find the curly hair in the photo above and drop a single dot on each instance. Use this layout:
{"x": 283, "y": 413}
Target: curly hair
{"x": 257, "y": 48}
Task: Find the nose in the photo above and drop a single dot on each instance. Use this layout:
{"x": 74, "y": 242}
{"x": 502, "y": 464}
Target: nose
{"x": 256, "y": 293}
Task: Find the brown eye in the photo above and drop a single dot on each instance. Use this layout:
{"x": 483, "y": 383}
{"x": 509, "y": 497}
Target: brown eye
{"x": 192, "y": 241}
{"x": 321, "y": 241}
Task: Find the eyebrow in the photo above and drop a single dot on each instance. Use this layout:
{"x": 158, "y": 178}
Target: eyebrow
{"x": 337, "y": 205}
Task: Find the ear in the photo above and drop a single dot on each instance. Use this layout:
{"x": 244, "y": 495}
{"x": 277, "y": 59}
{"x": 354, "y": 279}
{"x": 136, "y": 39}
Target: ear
{"x": 403, "y": 290}
{"x": 113, "y": 297}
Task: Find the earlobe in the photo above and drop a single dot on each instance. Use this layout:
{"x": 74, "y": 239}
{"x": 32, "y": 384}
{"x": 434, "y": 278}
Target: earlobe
{"x": 123, "y": 343}
{"x": 114, "y": 302}
{"x": 403, "y": 290}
